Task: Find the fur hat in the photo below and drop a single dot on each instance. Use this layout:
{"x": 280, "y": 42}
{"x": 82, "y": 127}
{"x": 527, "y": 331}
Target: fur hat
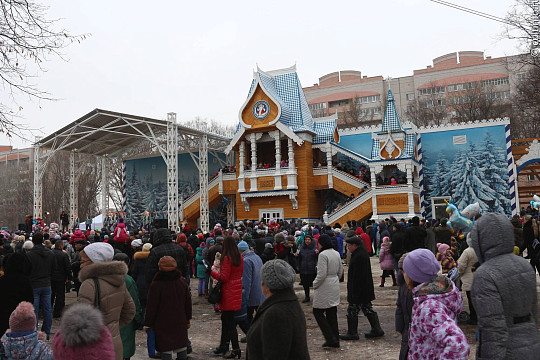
{"x": 146, "y": 247}
{"x": 23, "y": 318}
{"x": 99, "y": 252}
{"x": 136, "y": 243}
{"x": 243, "y": 246}
{"x": 82, "y": 335}
{"x": 421, "y": 265}
{"x": 167, "y": 263}
{"x": 278, "y": 274}
{"x": 28, "y": 245}
{"x": 268, "y": 246}
{"x": 218, "y": 255}
{"x": 325, "y": 241}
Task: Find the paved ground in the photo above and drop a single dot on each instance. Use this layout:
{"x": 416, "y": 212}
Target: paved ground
{"x": 205, "y": 327}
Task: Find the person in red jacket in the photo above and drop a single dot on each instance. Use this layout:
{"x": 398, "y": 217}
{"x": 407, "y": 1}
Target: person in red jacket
{"x": 365, "y": 238}
{"x": 232, "y": 267}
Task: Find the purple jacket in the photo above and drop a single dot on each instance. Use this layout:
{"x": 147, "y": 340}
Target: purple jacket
{"x": 385, "y": 258}
{"x": 434, "y": 333}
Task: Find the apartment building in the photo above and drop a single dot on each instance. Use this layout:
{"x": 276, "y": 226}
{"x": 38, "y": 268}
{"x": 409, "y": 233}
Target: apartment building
{"x": 440, "y": 91}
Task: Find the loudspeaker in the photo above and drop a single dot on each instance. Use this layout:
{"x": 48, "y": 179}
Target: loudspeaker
{"x": 160, "y": 223}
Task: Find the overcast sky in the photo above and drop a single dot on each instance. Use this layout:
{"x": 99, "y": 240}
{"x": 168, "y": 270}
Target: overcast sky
{"x": 196, "y": 58}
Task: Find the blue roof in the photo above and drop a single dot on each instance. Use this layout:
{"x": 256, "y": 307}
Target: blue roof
{"x": 391, "y": 120}
{"x": 410, "y": 142}
{"x": 285, "y": 88}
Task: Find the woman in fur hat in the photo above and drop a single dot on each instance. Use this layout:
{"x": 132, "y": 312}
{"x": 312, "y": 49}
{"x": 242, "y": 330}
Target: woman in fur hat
{"x": 106, "y": 278}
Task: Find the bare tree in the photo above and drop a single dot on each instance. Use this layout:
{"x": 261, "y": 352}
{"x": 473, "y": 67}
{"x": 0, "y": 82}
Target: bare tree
{"x": 212, "y": 126}
{"x": 356, "y": 115}
{"x": 479, "y": 101}
{"x": 523, "y": 21}
{"x": 525, "y": 118}
{"x": 27, "y": 39}
{"x": 428, "y": 110}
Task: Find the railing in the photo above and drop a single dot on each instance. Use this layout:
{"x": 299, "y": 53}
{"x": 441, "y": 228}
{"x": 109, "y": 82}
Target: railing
{"x": 348, "y": 207}
{"x": 229, "y": 176}
{"x": 190, "y": 200}
{"x": 348, "y": 178}
{"x": 360, "y": 158}
{"x": 320, "y": 171}
{"x": 269, "y": 172}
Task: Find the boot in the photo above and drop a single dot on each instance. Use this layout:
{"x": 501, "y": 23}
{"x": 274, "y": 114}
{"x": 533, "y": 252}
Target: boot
{"x": 394, "y": 282}
{"x": 382, "y": 282}
{"x": 221, "y": 350}
{"x": 376, "y": 330}
{"x": 352, "y": 329}
{"x": 235, "y": 353}
{"x": 182, "y": 355}
{"x": 166, "y": 356}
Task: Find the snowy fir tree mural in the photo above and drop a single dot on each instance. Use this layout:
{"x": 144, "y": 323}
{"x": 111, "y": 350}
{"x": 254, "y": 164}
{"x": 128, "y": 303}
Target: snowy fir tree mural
{"x": 475, "y": 171}
{"x": 147, "y": 186}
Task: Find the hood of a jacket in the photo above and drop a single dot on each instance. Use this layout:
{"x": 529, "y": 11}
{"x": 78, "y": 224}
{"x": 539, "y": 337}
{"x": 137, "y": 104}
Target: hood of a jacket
{"x": 441, "y": 289}
{"x": 20, "y": 347}
{"x": 492, "y": 235}
{"x": 40, "y": 250}
{"x": 248, "y": 253}
{"x": 113, "y": 272}
{"x": 121, "y": 225}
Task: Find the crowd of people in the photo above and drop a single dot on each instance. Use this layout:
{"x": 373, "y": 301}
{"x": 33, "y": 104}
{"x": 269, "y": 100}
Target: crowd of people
{"x": 141, "y": 282}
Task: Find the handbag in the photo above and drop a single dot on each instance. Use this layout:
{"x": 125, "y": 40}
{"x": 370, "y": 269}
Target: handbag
{"x": 215, "y": 294}
{"x": 151, "y": 343}
{"x": 97, "y": 295}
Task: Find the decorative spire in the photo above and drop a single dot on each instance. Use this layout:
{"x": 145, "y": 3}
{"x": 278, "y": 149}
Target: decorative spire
{"x": 391, "y": 120}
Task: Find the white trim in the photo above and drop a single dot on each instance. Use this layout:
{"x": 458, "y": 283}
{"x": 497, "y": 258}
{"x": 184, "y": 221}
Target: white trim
{"x": 464, "y": 125}
{"x": 268, "y": 193}
{"x": 273, "y": 210}
{"x": 272, "y": 73}
{"x": 259, "y": 83}
{"x": 288, "y": 132}
{"x": 235, "y": 139}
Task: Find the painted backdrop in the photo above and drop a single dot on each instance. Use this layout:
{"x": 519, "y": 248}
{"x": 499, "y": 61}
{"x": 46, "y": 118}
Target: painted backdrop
{"x": 147, "y": 185}
{"x": 469, "y": 165}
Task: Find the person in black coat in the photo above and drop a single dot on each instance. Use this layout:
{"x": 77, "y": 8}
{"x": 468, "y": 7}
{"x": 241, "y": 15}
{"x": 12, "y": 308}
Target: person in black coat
{"x": 528, "y": 242}
{"x": 403, "y": 315}
{"x": 397, "y": 247}
{"x": 59, "y": 277}
{"x": 268, "y": 253}
{"x": 278, "y": 330}
{"x": 360, "y": 291}
{"x": 415, "y": 236}
{"x": 163, "y": 246}
{"x": 14, "y": 286}
{"x": 307, "y": 258}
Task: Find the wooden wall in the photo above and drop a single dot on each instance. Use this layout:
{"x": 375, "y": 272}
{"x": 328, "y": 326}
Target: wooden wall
{"x": 362, "y": 212}
{"x": 393, "y": 203}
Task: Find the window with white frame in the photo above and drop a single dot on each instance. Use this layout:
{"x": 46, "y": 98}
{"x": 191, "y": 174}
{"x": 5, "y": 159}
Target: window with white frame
{"x": 267, "y": 214}
{"x": 495, "y": 82}
{"x": 410, "y": 96}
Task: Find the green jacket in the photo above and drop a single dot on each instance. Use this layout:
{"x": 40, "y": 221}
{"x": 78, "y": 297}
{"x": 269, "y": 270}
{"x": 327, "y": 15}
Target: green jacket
{"x": 127, "y": 333}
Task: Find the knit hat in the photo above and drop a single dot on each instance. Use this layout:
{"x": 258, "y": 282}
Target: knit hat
{"x": 167, "y": 263}
{"x": 146, "y": 247}
{"x": 385, "y": 239}
{"x": 202, "y": 245}
{"x": 315, "y": 231}
{"x": 278, "y": 274}
{"x": 242, "y": 246}
{"x": 268, "y": 245}
{"x": 325, "y": 241}
{"x": 401, "y": 260}
{"x": 136, "y": 243}
{"x": 23, "y": 318}
{"x": 99, "y": 252}
{"x": 28, "y": 245}
{"x": 337, "y": 230}
{"x": 421, "y": 265}
{"x": 82, "y": 335}
{"x": 442, "y": 247}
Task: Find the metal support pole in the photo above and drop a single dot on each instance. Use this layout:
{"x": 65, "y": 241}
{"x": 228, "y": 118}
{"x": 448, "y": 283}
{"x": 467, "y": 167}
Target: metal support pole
{"x": 72, "y": 191}
{"x": 104, "y": 187}
{"x": 38, "y": 194}
{"x": 203, "y": 181}
{"x": 329, "y": 165}
{"x": 231, "y": 210}
{"x": 172, "y": 171}
{"x": 410, "y": 190}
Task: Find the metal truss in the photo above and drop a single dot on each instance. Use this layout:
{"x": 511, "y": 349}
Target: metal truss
{"x": 73, "y": 200}
{"x": 104, "y": 186}
{"x": 38, "y": 191}
{"x": 203, "y": 181}
{"x": 172, "y": 171}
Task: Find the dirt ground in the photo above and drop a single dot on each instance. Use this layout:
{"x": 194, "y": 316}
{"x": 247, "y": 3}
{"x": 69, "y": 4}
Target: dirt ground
{"x": 205, "y": 327}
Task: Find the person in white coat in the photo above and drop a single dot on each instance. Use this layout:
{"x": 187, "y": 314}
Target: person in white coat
{"x": 465, "y": 263}
{"x": 326, "y": 292}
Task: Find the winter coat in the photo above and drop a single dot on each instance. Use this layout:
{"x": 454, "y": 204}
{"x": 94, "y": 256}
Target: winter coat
{"x": 398, "y": 242}
{"x": 434, "y": 333}
{"x": 231, "y": 279}
{"x": 251, "y": 278}
{"x": 117, "y": 306}
{"x": 528, "y": 240}
{"x": 278, "y": 330}
{"x": 26, "y": 346}
{"x": 447, "y": 259}
{"x": 415, "y": 238}
{"x": 127, "y": 332}
{"x": 212, "y": 251}
{"x": 268, "y": 254}
{"x": 442, "y": 234}
{"x": 160, "y": 250}
{"x": 339, "y": 238}
{"x": 431, "y": 242}
{"x": 188, "y": 250}
{"x": 326, "y": 283}
{"x": 215, "y": 267}
{"x": 62, "y": 269}
{"x": 168, "y": 310}
{"x": 120, "y": 234}
{"x": 403, "y": 315}
{"x": 308, "y": 259}
{"x": 365, "y": 238}
{"x": 77, "y": 235}
{"x": 137, "y": 273}
{"x": 15, "y": 287}
{"x": 259, "y": 245}
{"x": 503, "y": 293}
{"x": 359, "y": 279}
{"x": 201, "y": 270}
{"x": 43, "y": 266}
{"x": 465, "y": 263}
{"x": 385, "y": 258}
